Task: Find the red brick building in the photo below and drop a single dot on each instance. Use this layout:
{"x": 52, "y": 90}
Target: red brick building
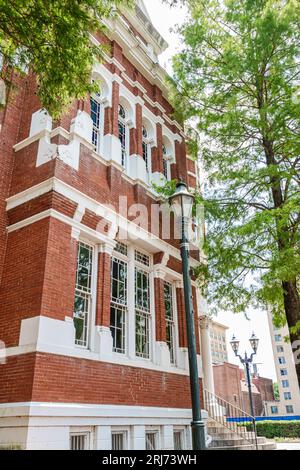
{"x": 91, "y": 295}
{"x": 230, "y": 384}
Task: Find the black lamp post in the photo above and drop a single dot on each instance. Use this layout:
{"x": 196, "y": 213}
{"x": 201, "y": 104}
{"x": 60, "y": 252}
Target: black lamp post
{"x": 247, "y": 361}
{"x": 182, "y": 203}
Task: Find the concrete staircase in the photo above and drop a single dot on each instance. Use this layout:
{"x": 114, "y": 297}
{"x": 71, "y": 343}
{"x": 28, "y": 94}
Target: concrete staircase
{"x": 225, "y": 439}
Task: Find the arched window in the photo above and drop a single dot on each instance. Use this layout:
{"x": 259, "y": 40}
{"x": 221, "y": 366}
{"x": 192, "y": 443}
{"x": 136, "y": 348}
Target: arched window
{"x": 166, "y": 164}
{"x": 146, "y": 150}
{"x": 123, "y": 134}
{"x": 97, "y": 118}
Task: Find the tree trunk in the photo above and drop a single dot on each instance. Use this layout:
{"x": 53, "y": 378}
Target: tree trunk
{"x": 290, "y": 291}
{"x": 292, "y": 312}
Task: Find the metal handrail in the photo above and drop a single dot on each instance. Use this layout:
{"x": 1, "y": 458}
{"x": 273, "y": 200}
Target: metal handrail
{"x": 231, "y": 417}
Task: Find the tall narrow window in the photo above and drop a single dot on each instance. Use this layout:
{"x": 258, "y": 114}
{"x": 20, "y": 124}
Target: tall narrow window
{"x": 96, "y": 115}
{"x": 123, "y": 134}
{"x": 118, "y": 440}
{"x": 178, "y": 440}
{"x": 151, "y": 440}
{"x": 118, "y": 308}
{"x": 146, "y": 150}
{"x": 79, "y": 441}
{"x": 142, "y": 313}
{"x": 166, "y": 164}
{"x": 83, "y": 292}
{"x": 170, "y": 324}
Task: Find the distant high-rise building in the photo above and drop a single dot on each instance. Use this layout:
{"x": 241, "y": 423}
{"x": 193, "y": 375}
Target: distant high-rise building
{"x": 218, "y": 343}
{"x": 289, "y": 402}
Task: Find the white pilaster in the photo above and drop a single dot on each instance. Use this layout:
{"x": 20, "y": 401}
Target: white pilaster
{"x": 40, "y": 121}
{"x": 167, "y": 436}
{"x": 137, "y": 168}
{"x": 112, "y": 149}
{"x": 138, "y": 441}
{"x": 103, "y": 438}
{"x": 206, "y": 354}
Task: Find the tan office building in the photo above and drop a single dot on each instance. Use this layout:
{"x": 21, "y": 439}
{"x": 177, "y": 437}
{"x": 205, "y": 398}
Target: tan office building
{"x": 218, "y": 343}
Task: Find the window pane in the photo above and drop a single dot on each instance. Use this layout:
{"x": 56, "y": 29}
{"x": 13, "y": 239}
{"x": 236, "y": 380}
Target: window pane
{"x": 84, "y": 267}
{"x": 151, "y": 441}
{"x": 83, "y": 293}
{"x": 96, "y": 118}
{"x": 142, "y": 335}
{"x": 122, "y": 138}
{"x": 78, "y": 442}
{"x": 119, "y": 281}
{"x": 170, "y": 325}
{"x": 142, "y": 258}
{"x": 117, "y": 326}
{"x": 142, "y": 294}
{"x": 118, "y": 308}
{"x": 178, "y": 445}
{"x": 118, "y": 441}
{"x": 81, "y": 310}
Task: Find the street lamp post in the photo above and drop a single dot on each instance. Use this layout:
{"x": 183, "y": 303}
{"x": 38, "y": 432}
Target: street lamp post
{"x": 182, "y": 203}
{"x": 246, "y": 361}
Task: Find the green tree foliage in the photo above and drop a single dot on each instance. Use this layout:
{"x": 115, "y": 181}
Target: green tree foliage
{"x": 276, "y": 391}
{"x": 52, "y": 38}
{"x": 238, "y": 77}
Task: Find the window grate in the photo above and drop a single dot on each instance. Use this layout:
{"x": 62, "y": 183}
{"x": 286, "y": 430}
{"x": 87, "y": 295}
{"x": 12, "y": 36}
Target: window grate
{"x": 151, "y": 440}
{"x": 178, "y": 440}
{"x": 118, "y": 441}
{"x": 78, "y": 441}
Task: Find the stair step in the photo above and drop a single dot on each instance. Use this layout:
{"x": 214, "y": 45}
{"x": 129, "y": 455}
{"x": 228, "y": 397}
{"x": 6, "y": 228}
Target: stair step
{"x": 224, "y": 438}
{"x": 227, "y": 442}
{"x": 267, "y": 446}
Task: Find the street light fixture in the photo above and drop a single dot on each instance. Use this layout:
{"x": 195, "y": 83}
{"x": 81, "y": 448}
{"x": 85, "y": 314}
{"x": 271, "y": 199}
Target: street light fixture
{"x": 235, "y": 345}
{"x": 254, "y": 342}
{"x": 182, "y": 204}
{"x": 246, "y": 360}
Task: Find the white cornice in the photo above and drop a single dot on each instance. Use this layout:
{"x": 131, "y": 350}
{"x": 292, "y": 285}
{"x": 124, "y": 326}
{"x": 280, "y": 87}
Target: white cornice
{"x": 151, "y": 242}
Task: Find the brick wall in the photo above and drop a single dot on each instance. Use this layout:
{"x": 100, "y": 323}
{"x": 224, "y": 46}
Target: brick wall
{"x": 9, "y": 130}
{"x": 69, "y": 380}
{"x": 228, "y": 384}
{"x": 38, "y": 276}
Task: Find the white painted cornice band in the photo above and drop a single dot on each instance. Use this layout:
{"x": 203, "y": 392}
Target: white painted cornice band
{"x": 153, "y": 243}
